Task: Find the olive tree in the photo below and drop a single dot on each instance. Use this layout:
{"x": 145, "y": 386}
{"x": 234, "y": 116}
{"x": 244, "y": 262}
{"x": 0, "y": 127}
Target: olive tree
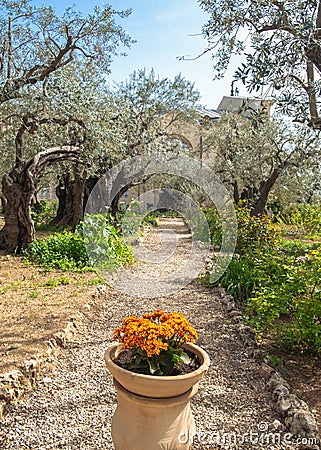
{"x": 36, "y": 42}
{"x": 149, "y": 109}
{"x": 87, "y": 98}
{"x": 36, "y": 45}
{"x": 134, "y": 118}
{"x": 252, "y": 160}
{"x": 284, "y": 53}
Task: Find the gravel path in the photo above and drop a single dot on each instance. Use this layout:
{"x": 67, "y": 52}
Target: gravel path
{"x": 73, "y": 408}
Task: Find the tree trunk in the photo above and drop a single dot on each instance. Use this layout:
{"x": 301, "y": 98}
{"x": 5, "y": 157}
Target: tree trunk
{"x": 89, "y": 186}
{"x": 114, "y": 205}
{"x": 127, "y": 177}
{"x": 236, "y": 194}
{"x": 70, "y": 193}
{"x": 265, "y": 188}
{"x": 18, "y": 194}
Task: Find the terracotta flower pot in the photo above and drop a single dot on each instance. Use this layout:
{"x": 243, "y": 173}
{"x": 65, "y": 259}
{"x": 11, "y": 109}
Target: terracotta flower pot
{"x": 153, "y": 412}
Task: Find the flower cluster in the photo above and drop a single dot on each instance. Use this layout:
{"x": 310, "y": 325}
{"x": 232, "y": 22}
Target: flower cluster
{"x": 155, "y": 332}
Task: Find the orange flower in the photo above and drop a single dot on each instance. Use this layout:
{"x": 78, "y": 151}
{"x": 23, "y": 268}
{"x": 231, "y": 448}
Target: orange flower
{"x": 155, "y": 332}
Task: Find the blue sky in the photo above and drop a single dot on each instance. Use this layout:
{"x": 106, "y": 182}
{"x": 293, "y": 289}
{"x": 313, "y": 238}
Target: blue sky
{"x": 164, "y": 30}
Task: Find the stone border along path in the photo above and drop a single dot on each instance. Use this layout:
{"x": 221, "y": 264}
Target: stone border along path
{"x": 72, "y": 408}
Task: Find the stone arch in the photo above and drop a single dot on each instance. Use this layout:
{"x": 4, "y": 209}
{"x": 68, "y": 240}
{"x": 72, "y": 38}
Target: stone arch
{"x": 183, "y": 139}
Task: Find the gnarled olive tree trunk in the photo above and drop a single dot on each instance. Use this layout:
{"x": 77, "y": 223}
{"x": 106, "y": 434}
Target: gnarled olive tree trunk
{"x": 70, "y": 192}
{"x": 264, "y": 190}
{"x": 89, "y": 186}
{"x": 18, "y": 193}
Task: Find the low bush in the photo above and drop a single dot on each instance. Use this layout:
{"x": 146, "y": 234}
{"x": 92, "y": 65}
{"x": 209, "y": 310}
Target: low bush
{"x": 105, "y": 247}
{"x": 133, "y": 222}
{"x": 65, "y": 251}
{"x": 295, "y": 247}
{"x": 278, "y": 282}
{"x": 287, "y": 299}
{"x": 303, "y": 221}
{"x": 96, "y": 243}
{"x": 239, "y": 279}
{"x": 44, "y": 214}
{"x": 254, "y": 234}
{"x": 215, "y": 225}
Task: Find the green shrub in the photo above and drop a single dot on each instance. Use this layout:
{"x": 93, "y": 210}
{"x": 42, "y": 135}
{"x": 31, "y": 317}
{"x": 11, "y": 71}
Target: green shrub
{"x": 105, "y": 247}
{"x": 288, "y": 301}
{"x": 255, "y": 237}
{"x": 96, "y": 243}
{"x": 135, "y": 219}
{"x": 295, "y": 247}
{"x": 278, "y": 283}
{"x": 44, "y": 214}
{"x": 255, "y": 234}
{"x": 65, "y": 251}
{"x": 215, "y": 225}
{"x": 304, "y": 220}
{"x": 239, "y": 279}
{"x": 151, "y": 219}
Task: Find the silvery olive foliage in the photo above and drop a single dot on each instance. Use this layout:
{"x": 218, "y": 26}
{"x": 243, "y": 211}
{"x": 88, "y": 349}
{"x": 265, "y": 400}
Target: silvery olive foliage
{"x": 132, "y": 118}
{"x": 148, "y": 111}
{"x": 36, "y": 45}
{"x": 281, "y": 44}
{"x": 37, "y": 42}
{"x": 58, "y": 112}
{"x": 255, "y": 161}
{"x": 45, "y": 61}
{"x": 148, "y": 107}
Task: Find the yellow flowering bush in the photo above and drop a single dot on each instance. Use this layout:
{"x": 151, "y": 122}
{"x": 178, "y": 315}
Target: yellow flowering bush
{"x": 154, "y": 342}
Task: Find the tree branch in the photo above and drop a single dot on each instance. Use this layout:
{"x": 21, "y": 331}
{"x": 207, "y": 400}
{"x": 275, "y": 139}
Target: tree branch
{"x": 318, "y": 21}
{"x": 12, "y": 87}
{"x": 37, "y": 163}
{"x": 299, "y": 81}
{"x": 31, "y": 123}
{"x": 275, "y": 27}
{"x": 314, "y": 115}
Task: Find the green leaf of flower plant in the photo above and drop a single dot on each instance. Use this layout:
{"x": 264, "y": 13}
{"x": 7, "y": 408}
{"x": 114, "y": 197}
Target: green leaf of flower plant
{"x": 185, "y": 358}
{"x": 153, "y": 366}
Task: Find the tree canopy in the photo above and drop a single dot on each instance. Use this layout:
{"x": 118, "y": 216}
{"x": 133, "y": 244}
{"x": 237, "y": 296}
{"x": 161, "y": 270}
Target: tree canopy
{"x": 254, "y": 160}
{"x": 284, "y": 54}
{"x": 36, "y": 42}
{"x": 37, "y": 46}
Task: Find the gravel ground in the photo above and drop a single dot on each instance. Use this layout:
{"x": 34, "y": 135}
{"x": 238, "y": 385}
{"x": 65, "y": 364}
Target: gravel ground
{"x": 73, "y": 408}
